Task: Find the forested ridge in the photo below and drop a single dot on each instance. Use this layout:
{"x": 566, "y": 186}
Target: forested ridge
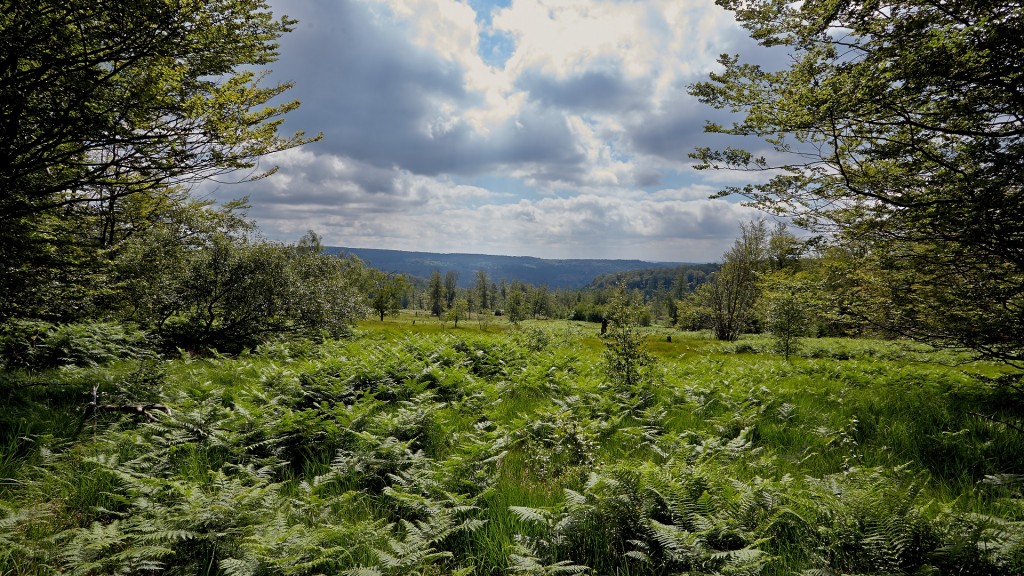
{"x": 555, "y": 273}
{"x": 181, "y": 395}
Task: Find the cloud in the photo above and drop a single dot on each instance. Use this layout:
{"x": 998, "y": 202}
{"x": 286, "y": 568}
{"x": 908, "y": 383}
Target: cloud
{"x": 581, "y": 103}
{"x": 351, "y": 203}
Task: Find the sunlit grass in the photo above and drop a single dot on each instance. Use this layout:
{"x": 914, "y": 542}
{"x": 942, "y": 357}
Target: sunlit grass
{"x": 415, "y": 420}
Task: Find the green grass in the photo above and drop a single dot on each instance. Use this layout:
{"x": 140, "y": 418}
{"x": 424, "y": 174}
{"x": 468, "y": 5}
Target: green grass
{"x": 416, "y": 447}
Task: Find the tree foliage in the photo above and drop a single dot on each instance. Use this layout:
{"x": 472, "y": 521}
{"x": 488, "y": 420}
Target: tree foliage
{"x": 786, "y": 309}
{"x": 103, "y": 101}
{"x": 516, "y": 304}
{"x": 211, "y": 282}
{"x": 626, "y": 360}
{"x": 458, "y": 311}
{"x": 386, "y": 291}
{"x": 111, "y": 97}
{"x": 436, "y": 294}
{"x": 482, "y": 289}
{"x": 451, "y": 283}
{"x": 899, "y": 126}
{"x": 732, "y": 292}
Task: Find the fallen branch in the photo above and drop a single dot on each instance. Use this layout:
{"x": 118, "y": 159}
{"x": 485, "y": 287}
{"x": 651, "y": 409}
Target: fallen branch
{"x": 145, "y": 409}
{"x": 997, "y": 421}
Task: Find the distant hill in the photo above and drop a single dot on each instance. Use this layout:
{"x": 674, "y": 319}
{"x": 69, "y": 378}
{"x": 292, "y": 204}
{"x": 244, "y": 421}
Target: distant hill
{"x": 573, "y": 273}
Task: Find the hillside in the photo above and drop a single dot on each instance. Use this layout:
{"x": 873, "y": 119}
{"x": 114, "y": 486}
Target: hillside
{"x": 571, "y": 273}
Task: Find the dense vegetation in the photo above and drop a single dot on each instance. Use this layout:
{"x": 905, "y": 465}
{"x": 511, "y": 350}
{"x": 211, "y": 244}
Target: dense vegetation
{"x": 413, "y": 450}
{"x": 897, "y": 131}
{"x": 182, "y": 396}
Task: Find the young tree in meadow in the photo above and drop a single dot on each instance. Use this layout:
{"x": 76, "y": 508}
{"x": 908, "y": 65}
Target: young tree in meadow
{"x": 731, "y": 293}
{"x": 482, "y": 288}
{"x": 626, "y": 359}
{"x": 458, "y": 311}
{"x": 899, "y": 126}
{"x": 787, "y": 304}
{"x": 386, "y": 292}
{"x": 516, "y": 306}
{"x": 436, "y": 294}
{"x": 451, "y": 287}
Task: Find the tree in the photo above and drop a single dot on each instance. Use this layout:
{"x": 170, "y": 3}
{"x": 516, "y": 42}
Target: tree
{"x": 386, "y": 291}
{"x": 539, "y": 302}
{"x": 899, "y": 126}
{"x": 625, "y": 358}
{"x": 516, "y": 306}
{"x": 107, "y": 98}
{"x": 692, "y": 313}
{"x": 211, "y": 282}
{"x": 784, "y": 249}
{"x": 786, "y": 309}
{"x": 103, "y": 101}
{"x": 436, "y": 291}
{"x": 482, "y": 289}
{"x": 732, "y": 291}
{"x": 451, "y": 283}
{"x": 458, "y": 311}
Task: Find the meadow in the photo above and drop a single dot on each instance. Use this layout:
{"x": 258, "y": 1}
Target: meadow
{"x": 419, "y": 448}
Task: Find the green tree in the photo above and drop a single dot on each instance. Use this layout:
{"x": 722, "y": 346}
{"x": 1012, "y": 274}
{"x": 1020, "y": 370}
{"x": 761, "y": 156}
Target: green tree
{"x": 482, "y": 288}
{"x": 102, "y": 101}
{"x": 783, "y": 248}
{"x": 516, "y": 305}
{"x": 212, "y": 283}
{"x": 451, "y": 286}
{"x": 900, "y": 127}
{"x": 436, "y": 294}
{"x": 730, "y": 295}
{"x": 386, "y": 292}
{"x": 322, "y": 291}
{"x": 786, "y": 305}
{"x": 458, "y": 311}
{"x": 692, "y": 313}
{"x": 540, "y": 302}
{"x": 625, "y": 358}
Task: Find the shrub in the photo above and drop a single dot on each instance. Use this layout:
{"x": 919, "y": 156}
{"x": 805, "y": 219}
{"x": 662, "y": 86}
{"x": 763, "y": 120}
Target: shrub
{"x": 625, "y": 358}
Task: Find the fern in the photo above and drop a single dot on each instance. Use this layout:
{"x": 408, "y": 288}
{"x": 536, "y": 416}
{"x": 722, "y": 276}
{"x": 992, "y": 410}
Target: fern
{"x": 524, "y": 560}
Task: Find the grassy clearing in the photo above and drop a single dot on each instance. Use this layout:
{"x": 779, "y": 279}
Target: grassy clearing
{"x": 418, "y": 447}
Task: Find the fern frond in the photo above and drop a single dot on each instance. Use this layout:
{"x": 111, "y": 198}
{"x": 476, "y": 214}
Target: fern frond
{"x": 533, "y": 515}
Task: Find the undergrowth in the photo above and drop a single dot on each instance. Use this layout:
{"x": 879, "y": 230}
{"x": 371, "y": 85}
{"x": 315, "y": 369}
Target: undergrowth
{"x": 528, "y": 452}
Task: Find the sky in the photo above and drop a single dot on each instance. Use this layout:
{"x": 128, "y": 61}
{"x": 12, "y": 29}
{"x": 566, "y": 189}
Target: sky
{"x": 547, "y": 128}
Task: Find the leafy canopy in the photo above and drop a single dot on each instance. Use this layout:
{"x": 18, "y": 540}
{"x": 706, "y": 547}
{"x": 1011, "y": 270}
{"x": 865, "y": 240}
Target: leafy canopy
{"x": 97, "y": 94}
{"x": 110, "y": 110}
{"x": 899, "y": 126}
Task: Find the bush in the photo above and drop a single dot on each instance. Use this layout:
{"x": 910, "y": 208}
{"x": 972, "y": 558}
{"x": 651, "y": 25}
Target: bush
{"x": 626, "y": 360}
{"x": 231, "y": 290}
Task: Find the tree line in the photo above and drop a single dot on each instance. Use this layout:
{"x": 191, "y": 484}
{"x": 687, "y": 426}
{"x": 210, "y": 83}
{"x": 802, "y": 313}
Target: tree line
{"x": 441, "y": 296}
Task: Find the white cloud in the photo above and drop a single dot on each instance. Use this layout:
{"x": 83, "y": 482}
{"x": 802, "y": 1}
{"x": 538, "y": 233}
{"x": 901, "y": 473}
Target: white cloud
{"x": 660, "y": 42}
{"x": 354, "y": 204}
{"x": 588, "y": 115}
